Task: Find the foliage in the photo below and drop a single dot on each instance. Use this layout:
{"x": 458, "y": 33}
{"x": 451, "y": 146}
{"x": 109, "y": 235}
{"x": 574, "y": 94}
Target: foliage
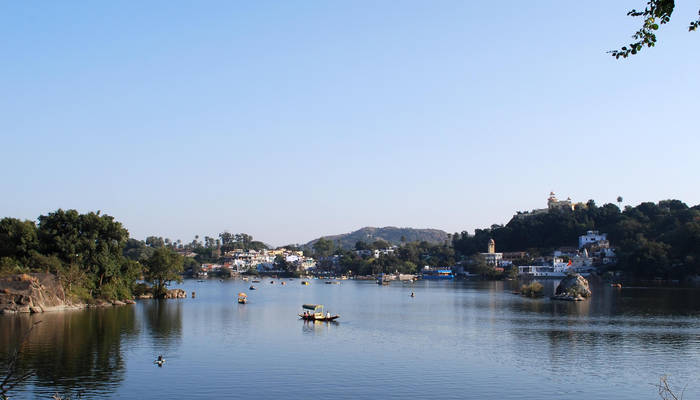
{"x": 323, "y": 248}
{"x": 239, "y": 241}
{"x": 652, "y": 240}
{"x": 163, "y": 267}
{"x": 17, "y": 238}
{"x": 405, "y": 259}
{"x": 656, "y": 13}
{"x": 532, "y": 289}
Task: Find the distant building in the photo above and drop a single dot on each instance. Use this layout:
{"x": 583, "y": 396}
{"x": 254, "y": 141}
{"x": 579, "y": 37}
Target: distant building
{"x": 591, "y": 237}
{"x": 552, "y": 204}
{"x": 492, "y": 258}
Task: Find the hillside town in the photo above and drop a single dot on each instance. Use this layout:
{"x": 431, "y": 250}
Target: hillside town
{"x": 258, "y": 261}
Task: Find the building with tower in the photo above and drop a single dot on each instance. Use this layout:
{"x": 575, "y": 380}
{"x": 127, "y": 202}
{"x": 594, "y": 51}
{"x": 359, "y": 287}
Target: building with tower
{"x": 492, "y": 258}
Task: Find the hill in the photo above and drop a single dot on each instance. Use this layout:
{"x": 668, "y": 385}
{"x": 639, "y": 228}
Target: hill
{"x": 391, "y": 234}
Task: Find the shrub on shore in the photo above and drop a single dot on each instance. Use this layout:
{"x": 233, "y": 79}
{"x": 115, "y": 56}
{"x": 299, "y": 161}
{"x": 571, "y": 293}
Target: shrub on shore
{"x": 532, "y": 289}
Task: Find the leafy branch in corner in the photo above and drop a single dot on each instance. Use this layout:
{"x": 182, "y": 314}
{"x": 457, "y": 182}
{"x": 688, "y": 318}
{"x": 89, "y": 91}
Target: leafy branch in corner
{"x": 657, "y": 12}
{"x": 12, "y": 378}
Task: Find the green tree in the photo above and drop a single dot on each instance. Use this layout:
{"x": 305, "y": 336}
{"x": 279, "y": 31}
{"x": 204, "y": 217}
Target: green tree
{"x": 92, "y": 241}
{"x": 655, "y": 14}
{"x": 163, "y": 267}
{"x": 323, "y": 247}
{"x": 18, "y": 239}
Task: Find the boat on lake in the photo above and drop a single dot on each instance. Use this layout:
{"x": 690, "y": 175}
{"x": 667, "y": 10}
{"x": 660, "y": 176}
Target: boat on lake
{"x": 251, "y": 287}
{"x": 242, "y": 298}
{"x": 305, "y": 283}
{"x": 314, "y": 312}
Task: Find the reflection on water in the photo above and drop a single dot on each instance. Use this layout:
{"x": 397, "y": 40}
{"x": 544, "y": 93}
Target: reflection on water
{"x": 317, "y": 327}
{"x": 453, "y": 339}
{"x": 164, "y": 321}
{"x": 69, "y": 352}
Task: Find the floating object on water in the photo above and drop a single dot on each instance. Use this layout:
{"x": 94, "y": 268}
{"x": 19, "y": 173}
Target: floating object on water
{"x": 413, "y": 294}
{"x": 193, "y": 294}
{"x": 283, "y": 283}
{"x": 251, "y": 287}
{"x": 242, "y": 298}
{"x": 617, "y": 285}
{"x": 304, "y": 283}
{"x": 317, "y": 314}
{"x": 160, "y": 361}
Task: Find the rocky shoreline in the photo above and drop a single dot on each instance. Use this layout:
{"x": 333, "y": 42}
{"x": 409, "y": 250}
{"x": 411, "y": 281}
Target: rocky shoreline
{"x": 42, "y": 292}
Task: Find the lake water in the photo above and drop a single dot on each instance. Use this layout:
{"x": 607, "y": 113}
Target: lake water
{"x": 453, "y": 340}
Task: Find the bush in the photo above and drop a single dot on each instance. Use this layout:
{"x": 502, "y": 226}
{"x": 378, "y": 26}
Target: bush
{"x": 533, "y": 289}
{"x": 142, "y": 288}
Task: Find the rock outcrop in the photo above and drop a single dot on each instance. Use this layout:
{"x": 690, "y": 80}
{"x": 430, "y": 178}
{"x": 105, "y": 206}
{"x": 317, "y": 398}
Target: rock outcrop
{"x": 573, "y": 288}
{"x": 32, "y": 293}
{"x": 176, "y": 294}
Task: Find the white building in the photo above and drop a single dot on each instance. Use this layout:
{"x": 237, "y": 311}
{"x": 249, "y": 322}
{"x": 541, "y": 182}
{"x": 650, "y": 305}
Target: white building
{"x": 492, "y": 258}
{"x": 591, "y": 237}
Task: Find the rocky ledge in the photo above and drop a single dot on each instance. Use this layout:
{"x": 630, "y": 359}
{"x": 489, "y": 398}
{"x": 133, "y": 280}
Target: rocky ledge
{"x": 35, "y": 293}
{"x": 32, "y": 293}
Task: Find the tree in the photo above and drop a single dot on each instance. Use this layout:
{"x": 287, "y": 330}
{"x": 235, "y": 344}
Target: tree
{"x": 657, "y": 12}
{"x": 163, "y": 267}
{"x": 92, "y": 241}
{"x": 323, "y": 247}
{"x": 17, "y": 238}
{"x": 155, "y": 242}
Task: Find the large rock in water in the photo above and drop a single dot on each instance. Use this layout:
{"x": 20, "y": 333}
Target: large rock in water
{"x": 573, "y": 287}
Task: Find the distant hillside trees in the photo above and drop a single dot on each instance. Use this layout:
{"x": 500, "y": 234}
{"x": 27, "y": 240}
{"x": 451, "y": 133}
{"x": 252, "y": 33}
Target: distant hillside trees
{"x": 653, "y": 240}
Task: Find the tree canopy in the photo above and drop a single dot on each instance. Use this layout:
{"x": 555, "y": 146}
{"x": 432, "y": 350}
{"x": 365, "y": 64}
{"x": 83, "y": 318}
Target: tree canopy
{"x": 163, "y": 267}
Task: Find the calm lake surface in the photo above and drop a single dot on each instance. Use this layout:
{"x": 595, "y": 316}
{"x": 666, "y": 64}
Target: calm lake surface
{"x": 453, "y": 340}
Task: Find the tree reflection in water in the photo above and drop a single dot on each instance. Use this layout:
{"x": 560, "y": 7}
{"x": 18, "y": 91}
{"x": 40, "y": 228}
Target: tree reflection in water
{"x": 72, "y": 351}
{"x": 164, "y": 322}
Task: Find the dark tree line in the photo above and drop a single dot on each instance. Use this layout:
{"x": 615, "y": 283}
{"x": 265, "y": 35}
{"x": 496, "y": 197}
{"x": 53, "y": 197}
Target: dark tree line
{"x": 652, "y": 240}
{"x": 91, "y": 254}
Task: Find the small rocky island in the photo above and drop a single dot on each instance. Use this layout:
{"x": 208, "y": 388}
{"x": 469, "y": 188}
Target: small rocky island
{"x": 573, "y": 287}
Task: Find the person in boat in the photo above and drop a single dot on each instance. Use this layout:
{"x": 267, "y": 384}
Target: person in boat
{"x": 328, "y": 315}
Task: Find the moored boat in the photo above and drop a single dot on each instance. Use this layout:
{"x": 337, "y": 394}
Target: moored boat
{"x": 242, "y": 298}
{"x": 251, "y": 287}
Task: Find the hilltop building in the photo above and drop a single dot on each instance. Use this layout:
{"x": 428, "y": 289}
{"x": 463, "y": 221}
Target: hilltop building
{"x": 552, "y": 204}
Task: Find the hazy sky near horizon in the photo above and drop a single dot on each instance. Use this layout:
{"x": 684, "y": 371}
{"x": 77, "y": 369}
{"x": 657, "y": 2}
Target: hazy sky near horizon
{"x": 292, "y": 120}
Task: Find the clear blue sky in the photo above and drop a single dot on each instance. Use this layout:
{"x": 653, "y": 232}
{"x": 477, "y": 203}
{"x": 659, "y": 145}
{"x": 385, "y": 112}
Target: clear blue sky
{"x": 292, "y": 120}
